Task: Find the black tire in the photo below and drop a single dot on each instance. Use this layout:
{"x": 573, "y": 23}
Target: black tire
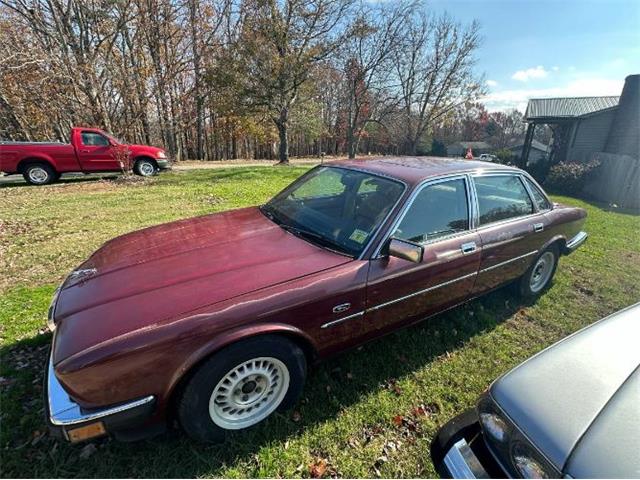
{"x": 145, "y": 167}
{"x": 39, "y": 174}
{"x": 193, "y": 408}
{"x": 527, "y": 286}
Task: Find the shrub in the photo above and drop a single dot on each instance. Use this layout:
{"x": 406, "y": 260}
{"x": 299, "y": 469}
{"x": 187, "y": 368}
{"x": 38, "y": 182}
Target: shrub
{"x": 505, "y": 156}
{"x": 569, "y": 178}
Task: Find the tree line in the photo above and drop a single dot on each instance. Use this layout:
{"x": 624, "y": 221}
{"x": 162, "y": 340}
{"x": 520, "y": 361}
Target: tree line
{"x": 225, "y": 79}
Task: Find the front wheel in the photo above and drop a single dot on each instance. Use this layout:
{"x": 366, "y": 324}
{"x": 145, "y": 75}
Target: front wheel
{"x": 539, "y": 275}
{"x": 240, "y": 386}
{"x": 145, "y": 167}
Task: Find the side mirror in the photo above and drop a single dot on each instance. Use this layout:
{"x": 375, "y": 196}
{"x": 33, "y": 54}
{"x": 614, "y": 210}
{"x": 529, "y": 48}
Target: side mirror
{"x": 406, "y": 250}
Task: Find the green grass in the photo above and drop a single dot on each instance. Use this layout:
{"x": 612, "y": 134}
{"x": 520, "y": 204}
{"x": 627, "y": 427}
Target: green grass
{"x": 357, "y": 412}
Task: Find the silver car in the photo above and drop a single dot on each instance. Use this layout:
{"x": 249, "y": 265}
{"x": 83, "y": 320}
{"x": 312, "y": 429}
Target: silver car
{"x": 572, "y": 410}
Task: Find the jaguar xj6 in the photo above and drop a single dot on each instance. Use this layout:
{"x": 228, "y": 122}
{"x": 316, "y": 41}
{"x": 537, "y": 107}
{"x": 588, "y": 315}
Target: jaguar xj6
{"x": 213, "y": 320}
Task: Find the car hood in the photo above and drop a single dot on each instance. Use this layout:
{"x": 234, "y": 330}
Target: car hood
{"x": 577, "y": 400}
{"x": 157, "y": 274}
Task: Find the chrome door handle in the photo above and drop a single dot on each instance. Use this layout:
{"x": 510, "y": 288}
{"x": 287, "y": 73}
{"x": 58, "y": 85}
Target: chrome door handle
{"x": 538, "y": 227}
{"x": 469, "y": 247}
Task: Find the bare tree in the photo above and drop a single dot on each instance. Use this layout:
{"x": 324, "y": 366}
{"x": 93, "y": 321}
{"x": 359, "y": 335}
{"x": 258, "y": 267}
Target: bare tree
{"x": 435, "y": 72}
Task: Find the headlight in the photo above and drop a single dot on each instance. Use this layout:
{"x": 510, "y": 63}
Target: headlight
{"x": 494, "y": 426}
{"x": 161, "y": 154}
{"x": 510, "y": 447}
{"x": 527, "y": 465}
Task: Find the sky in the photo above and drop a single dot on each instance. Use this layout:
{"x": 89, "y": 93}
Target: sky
{"x": 551, "y": 48}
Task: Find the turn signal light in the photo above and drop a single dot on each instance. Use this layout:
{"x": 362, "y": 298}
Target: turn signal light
{"x": 86, "y": 432}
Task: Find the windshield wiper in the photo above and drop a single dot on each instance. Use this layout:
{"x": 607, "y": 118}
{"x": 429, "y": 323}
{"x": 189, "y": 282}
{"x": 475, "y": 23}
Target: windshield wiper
{"x": 324, "y": 242}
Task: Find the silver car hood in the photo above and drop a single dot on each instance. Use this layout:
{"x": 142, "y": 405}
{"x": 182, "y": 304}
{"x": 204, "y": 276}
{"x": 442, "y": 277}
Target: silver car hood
{"x": 578, "y": 401}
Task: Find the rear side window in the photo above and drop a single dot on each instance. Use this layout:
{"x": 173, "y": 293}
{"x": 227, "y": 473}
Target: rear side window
{"x": 501, "y": 197}
{"x": 538, "y": 197}
{"x": 437, "y": 211}
{"x": 94, "y": 139}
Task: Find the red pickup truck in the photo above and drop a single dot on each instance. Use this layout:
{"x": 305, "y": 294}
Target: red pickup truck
{"x": 91, "y": 150}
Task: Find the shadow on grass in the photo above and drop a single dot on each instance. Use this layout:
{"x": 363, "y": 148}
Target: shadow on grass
{"x": 13, "y": 181}
{"x": 174, "y": 455}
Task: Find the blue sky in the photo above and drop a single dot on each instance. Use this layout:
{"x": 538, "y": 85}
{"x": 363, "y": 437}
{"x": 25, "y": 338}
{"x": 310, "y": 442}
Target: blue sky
{"x": 551, "y": 48}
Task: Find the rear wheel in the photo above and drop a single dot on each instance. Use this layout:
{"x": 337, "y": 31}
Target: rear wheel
{"x": 145, "y": 167}
{"x": 39, "y": 174}
{"x": 240, "y": 386}
{"x": 539, "y": 275}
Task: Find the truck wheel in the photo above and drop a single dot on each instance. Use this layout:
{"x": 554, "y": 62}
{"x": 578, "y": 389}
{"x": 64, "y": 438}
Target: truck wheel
{"x": 539, "y": 275}
{"x": 240, "y": 386}
{"x": 39, "y": 174}
{"x": 145, "y": 167}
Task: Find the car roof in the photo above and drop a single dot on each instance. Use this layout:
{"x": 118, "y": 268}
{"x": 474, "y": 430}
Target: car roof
{"x": 414, "y": 170}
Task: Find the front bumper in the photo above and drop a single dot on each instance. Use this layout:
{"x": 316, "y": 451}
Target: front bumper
{"x": 163, "y": 163}
{"x": 575, "y": 242}
{"x": 459, "y": 451}
{"x": 69, "y": 420}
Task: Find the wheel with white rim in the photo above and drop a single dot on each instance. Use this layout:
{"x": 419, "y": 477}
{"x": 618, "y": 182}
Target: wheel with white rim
{"x": 39, "y": 174}
{"x": 240, "y": 386}
{"x": 539, "y": 275}
{"x": 145, "y": 167}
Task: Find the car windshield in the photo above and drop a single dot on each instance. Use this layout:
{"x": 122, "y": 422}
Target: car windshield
{"x": 336, "y": 208}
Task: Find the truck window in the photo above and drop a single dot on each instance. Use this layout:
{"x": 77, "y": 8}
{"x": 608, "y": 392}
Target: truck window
{"x": 94, "y": 139}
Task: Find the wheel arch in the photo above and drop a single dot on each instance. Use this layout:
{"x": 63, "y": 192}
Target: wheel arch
{"x": 190, "y": 366}
{"x": 22, "y": 164}
{"x": 558, "y": 240}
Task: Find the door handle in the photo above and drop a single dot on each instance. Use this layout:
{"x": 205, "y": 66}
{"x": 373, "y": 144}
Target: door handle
{"x": 85, "y": 151}
{"x": 538, "y": 227}
{"x": 468, "y": 247}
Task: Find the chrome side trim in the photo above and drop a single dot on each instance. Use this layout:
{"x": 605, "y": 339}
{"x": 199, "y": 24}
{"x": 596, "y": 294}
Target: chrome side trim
{"x": 501, "y": 264}
{"x": 64, "y": 412}
{"x": 461, "y": 462}
{"x": 576, "y": 241}
{"x": 406, "y": 297}
{"x": 340, "y": 320}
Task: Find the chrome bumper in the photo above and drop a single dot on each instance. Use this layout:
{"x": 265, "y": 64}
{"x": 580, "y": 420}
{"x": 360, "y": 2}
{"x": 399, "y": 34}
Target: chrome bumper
{"x": 64, "y": 415}
{"x": 461, "y": 462}
{"x": 575, "y": 242}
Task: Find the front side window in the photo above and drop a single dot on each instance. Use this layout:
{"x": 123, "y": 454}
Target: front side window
{"x": 437, "y": 211}
{"x": 337, "y": 208}
{"x": 94, "y": 139}
{"x": 541, "y": 201}
{"x": 501, "y": 197}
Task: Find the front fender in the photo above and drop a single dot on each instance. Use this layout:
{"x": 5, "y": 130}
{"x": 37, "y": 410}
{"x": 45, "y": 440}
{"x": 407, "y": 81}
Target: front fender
{"x": 234, "y": 335}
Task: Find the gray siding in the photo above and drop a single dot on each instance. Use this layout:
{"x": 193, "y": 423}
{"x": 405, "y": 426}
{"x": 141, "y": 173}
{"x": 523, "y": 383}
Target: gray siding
{"x": 589, "y": 135}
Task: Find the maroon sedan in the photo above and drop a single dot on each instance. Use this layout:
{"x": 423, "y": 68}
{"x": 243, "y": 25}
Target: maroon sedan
{"x": 213, "y": 320}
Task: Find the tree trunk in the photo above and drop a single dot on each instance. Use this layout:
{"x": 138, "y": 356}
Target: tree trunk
{"x": 282, "y": 124}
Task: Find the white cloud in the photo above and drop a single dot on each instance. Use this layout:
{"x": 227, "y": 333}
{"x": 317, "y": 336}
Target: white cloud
{"x": 529, "y": 73}
{"x": 491, "y": 83}
{"x": 580, "y": 87}
{"x": 555, "y": 68}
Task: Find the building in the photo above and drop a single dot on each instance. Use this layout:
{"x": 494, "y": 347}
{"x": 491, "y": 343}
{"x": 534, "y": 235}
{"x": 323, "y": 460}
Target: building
{"x": 606, "y": 129}
{"x": 459, "y": 149}
{"x": 538, "y": 151}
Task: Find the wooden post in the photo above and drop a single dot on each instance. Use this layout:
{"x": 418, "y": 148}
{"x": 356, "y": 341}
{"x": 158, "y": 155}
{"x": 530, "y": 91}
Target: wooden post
{"x": 526, "y": 148}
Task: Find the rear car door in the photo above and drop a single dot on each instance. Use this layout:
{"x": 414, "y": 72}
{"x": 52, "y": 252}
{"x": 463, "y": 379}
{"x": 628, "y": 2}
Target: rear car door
{"x": 96, "y": 153}
{"x": 439, "y": 217}
{"x": 511, "y": 228}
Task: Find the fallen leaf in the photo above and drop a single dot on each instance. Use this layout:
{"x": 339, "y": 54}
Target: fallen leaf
{"x": 296, "y": 416}
{"x": 397, "y": 420}
{"x": 318, "y": 468}
{"x": 349, "y": 376}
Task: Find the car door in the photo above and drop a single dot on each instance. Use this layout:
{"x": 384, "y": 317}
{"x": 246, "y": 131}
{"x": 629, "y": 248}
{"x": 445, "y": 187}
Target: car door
{"x": 511, "y": 228}
{"x": 438, "y": 216}
{"x": 96, "y": 153}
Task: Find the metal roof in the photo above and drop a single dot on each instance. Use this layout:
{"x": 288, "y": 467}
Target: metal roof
{"x": 568, "y": 107}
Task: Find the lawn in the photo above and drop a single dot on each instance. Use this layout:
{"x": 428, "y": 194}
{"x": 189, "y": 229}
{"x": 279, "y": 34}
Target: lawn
{"x": 371, "y": 412}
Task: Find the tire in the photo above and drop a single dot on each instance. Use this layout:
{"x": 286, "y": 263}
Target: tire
{"x": 538, "y": 277}
{"x": 39, "y": 174}
{"x": 240, "y": 386}
{"x": 145, "y": 167}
